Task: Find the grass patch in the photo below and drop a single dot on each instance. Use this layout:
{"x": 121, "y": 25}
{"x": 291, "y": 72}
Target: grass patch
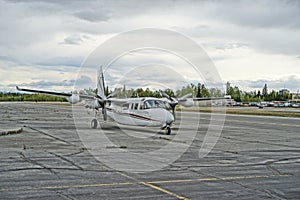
{"x": 11, "y": 132}
{"x": 82, "y": 149}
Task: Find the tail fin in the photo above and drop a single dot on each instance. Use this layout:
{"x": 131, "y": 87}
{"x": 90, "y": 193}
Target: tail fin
{"x": 100, "y": 84}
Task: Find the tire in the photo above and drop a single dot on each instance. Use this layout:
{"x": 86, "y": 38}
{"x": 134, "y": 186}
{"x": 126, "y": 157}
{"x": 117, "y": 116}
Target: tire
{"x": 168, "y": 131}
{"x": 94, "y": 123}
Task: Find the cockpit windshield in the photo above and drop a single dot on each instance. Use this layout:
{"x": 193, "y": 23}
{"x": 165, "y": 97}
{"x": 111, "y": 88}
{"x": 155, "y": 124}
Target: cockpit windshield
{"x": 154, "y": 104}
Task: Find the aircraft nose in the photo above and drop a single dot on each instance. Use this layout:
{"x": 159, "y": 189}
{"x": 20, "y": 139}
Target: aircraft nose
{"x": 169, "y": 118}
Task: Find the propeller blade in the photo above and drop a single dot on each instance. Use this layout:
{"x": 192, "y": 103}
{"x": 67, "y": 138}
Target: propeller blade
{"x": 113, "y": 93}
{"x": 173, "y": 100}
{"x": 162, "y": 93}
{"x": 186, "y": 96}
{"x": 173, "y": 112}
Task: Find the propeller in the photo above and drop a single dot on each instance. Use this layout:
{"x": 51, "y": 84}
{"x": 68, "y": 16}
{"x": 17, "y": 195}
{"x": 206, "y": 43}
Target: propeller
{"x": 173, "y": 101}
{"x": 102, "y": 102}
{"x": 114, "y": 93}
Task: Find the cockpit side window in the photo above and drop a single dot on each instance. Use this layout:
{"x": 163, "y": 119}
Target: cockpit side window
{"x": 153, "y": 104}
{"x": 125, "y": 106}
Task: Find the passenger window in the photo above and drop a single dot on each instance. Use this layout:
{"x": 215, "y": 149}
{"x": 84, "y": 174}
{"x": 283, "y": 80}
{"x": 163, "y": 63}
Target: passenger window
{"x": 136, "y": 105}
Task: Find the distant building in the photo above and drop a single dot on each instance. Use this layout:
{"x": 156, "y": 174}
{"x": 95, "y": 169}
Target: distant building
{"x": 296, "y": 97}
{"x": 284, "y": 91}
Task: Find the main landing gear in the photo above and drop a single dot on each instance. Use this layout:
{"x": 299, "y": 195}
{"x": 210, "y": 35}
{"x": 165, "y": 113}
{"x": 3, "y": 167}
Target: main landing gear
{"x": 94, "y": 123}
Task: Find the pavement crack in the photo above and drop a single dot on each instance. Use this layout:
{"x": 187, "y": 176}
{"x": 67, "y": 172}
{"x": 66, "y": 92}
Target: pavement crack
{"x": 272, "y": 168}
{"x": 259, "y": 142}
{"x": 65, "y": 196}
{"x": 67, "y": 160}
{"x": 76, "y": 153}
{"x": 21, "y": 169}
{"x": 233, "y": 180}
{"x": 36, "y": 163}
{"x": 49, "y": 135}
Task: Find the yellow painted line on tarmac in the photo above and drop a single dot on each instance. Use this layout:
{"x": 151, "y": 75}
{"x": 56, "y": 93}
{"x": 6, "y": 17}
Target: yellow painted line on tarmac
{"x": 68, "y": 186}
{"x": 155, "y": 187}
{"x": 149, "y": 183}
{"x": 164, "y": 190}
{"x": 216, "y": 179}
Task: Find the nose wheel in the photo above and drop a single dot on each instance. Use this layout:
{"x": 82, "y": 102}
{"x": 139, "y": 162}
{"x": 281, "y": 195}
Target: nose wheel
{"x": 168, "y": 130}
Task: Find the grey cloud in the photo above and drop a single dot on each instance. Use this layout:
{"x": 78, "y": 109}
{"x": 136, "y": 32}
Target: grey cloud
{"x": 291, "y": 82}
{"x": 73, "y": 40}
{"x": 8, "y": 59}
{"x": 92, "y": 11}
{"x": 62, "y": 61}
{"x": 225, "y": 46}
{"x": 156, "y": 76}
{"x": 257, "y": 13}
{"x": 83, "y": 81}
{"x": 267, "y": 26}
{"x": 92, "y": 15}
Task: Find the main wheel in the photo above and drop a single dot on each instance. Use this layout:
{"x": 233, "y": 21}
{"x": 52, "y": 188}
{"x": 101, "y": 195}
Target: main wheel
{"x": 168, "y": 131}
{"x": 94, "y": 123}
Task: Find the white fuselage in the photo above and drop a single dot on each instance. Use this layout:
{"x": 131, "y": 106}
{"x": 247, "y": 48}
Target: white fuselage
{"x": 140, "y": 112}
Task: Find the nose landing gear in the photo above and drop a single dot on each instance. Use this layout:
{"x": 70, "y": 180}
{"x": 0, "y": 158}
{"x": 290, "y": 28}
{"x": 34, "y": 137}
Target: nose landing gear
{"x": 167, "y": 129}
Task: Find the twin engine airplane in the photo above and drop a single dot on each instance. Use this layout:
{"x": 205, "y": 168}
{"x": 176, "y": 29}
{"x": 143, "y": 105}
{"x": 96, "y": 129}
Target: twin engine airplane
{"x": 145, "y": 111}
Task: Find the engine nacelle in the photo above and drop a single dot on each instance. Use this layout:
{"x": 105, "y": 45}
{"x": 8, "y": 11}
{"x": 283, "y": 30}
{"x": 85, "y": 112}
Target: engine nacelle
{"x": 92, "y": 104}
{"x": 74, "y": 98}
{"x": 187, "y": 103}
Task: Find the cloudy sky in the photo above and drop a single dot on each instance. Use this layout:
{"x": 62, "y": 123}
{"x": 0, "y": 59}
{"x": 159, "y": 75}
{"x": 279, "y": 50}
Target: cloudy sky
{"x": 43, "y": 44}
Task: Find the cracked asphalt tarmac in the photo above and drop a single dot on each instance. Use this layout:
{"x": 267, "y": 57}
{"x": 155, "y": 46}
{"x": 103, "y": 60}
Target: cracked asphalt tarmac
{"x": 255, "y": 157}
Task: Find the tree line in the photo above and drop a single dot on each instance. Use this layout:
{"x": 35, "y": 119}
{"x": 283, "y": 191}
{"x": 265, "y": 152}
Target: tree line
{"x": 196, "y": 90}
{"x": 29, "y": 97}
{"x": 256, "y": 96}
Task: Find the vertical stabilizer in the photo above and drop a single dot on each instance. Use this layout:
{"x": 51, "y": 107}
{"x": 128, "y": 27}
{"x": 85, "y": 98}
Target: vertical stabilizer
{"x": 100, "y": 84}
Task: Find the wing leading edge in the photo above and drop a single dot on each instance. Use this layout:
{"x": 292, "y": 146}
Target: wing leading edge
{"x": 61, "y": 94}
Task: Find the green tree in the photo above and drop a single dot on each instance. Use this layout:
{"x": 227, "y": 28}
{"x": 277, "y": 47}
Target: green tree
{"x": 265, "y": 92}
{"x": 199, "y": 91}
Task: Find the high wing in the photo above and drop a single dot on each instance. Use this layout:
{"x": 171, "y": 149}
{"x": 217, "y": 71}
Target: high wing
{"x": 73, "y": 97}
{"x": 211, "y": 98}
{"x": 189, "y": 102}
{"x": 60, "y": 94}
